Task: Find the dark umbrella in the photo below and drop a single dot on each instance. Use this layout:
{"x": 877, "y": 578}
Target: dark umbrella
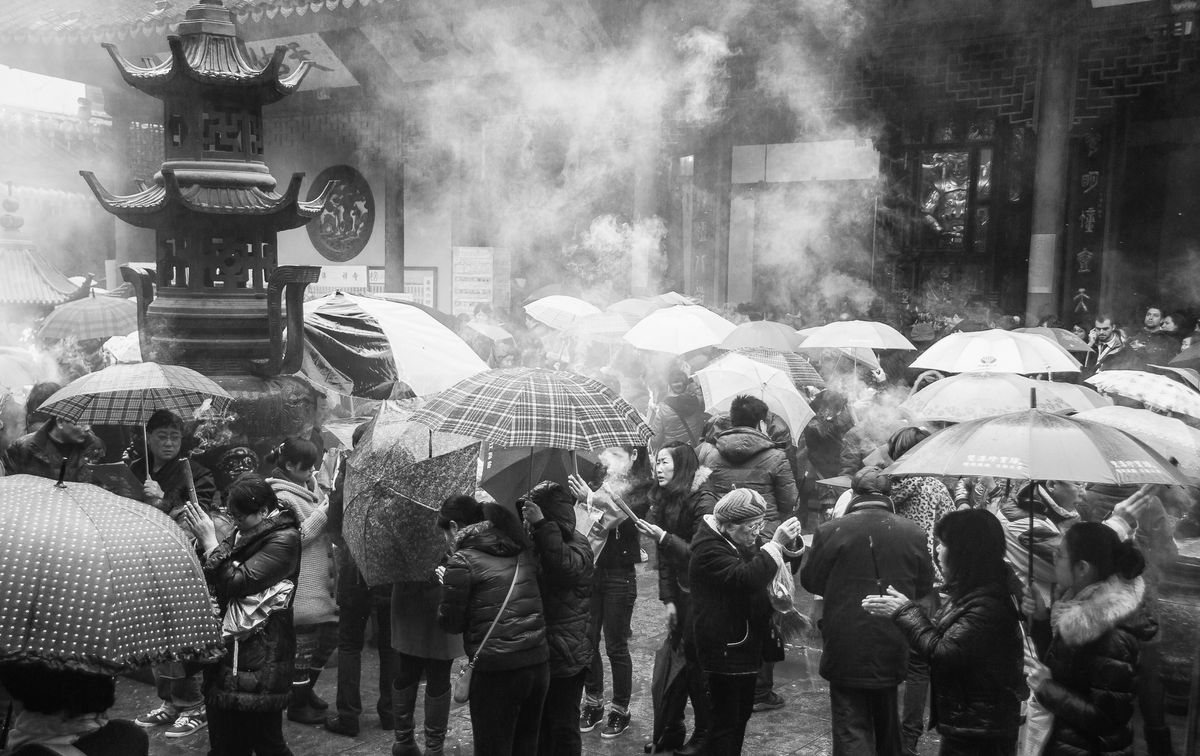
{"x": 508, "y": 472}
{"x": 669, "y": 686}
{"x": 1188, "y": 358}
{"x": 96, "y": 582}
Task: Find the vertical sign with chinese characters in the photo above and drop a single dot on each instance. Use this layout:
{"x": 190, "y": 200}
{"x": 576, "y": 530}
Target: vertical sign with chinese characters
{"x": 479, "y": 276}
{"x": 1086, "y": 215}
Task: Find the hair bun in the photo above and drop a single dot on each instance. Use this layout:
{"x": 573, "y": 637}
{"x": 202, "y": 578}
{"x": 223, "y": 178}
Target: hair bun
{"x": 1129, "y": 560}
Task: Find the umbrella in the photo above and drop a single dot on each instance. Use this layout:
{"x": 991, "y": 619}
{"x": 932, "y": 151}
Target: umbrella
{"x": 763, "y": 334}
{"x": 679, "y": 329}
{"x": 1186, "y": 375}
{"x": 535, "y": 407}
{"x": 126, "y": 349}
{"x": 373, "y": 348}
{"x": 559, "y": 311}
{"x": 130, "y": 394}
{"x": 1060, "y": 336}
{"x": 1151, "y": 389}
{"x": 1170, "y": 437}
{"x": 668, "y": 686}
{"x": 489, "y": 331}
{"x": 90, "y": 318}
{"x": 96, "y": 582}
{"x": 604, "y": 327}
{"x": 998, "y": 351}
{"x": 797, "y": 367}
{"x": 1188, "y": 358}
{"x": 1079, "y": 397}
{"x": 971, "y": 396}
{"x": 509, "y": 472}
{"x": 15, "y": 372}
{"x": 734, "y": 375}
{"x": 857, "y": 333}
{"x": 636, "y": 307}
{"x": 390, "y": 521}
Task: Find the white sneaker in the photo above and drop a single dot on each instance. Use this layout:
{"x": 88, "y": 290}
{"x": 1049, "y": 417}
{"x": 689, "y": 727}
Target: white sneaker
{"x": 188, "y": 723}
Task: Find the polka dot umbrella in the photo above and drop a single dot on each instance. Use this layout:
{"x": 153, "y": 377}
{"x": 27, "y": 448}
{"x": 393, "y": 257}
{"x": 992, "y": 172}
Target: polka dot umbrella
{"x": 93, "y": 581}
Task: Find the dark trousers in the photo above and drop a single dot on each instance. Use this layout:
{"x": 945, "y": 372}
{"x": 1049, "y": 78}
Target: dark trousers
{"x": 506, "y": 710}
{"x": 916, "y": 694}
{"x": 559, "y": 734}
{"x": 731, "y": 698}
{"x": 410, "y": 669}
{"x": 954, "y": 745}
{"x": 614, "y": 591}
{"x": 866, "y": 722}
{"x": 242, "y": 733}
{"x": 673, "y": 724}
{"x": 355, "y": 608}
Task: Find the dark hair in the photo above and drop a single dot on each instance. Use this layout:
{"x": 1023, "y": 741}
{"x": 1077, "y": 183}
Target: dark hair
{"x": 1184, "y": 324}
{"x": 251, "y": 494}
{"x": 677, "y": 377}
{"x": 50, "y": 691}
{"x": 905, "y": 439}
{"x": 828, "y": 399}
{"x": 680, "y": 484}
{"x": 461, "y": 509}
{"x": 507, "y": 522}
{"x": 164, "y": 419}
{"x": 747, "y": 411}
{"x": 38, "y": 394}
{"x": 1153, "y": 306}
{"x": 639, "y": 470}
{"x": 294, "y": 451}
{"x": 975, "y": 548}
{"x": 1098, "y": 545}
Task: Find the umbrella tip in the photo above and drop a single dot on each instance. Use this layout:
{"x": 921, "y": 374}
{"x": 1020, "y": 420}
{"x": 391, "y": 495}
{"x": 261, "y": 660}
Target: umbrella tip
{"x": 62, "y": 474}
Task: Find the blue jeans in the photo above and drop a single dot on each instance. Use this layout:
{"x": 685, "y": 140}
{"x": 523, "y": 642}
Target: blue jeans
{"x": 614, "y": 591}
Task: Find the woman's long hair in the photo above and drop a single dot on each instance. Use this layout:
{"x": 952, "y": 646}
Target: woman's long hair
{"x": 975, "y": 546}
{"x": 680, "y": 484}
{"x": 1099, "y": 546}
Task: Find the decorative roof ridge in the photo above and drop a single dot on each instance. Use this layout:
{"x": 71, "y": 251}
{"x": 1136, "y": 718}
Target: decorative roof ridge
{"x": 185, "y": 57}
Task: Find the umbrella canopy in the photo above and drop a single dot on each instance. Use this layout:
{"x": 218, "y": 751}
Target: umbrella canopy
{"x": 535, "y": 407}
{"x": 797, "y": 367}
{"x": 679, "y": 329}
{"x": 971, "y": 396}
{"x": 763, "y": 334}
{"x": 376, "y": 349}
{"x": 126, "y": 349}
{"x": 489, "y": 331}
{"x": 998, "y": 351}
{"x": 1172, "y": 438}
{"x": 1038, "y": 445}
{"x": 96, "y": 582}
{"x": 857, "y": 333}
{"x": 1188, "y": 358}
{"x": 130, "y": 394}
{"x": 1078, "y": 397}
{"x": 606, "y": 327}
{"x": 90, "y": 318}
{"x": 734, "y": 375}
{"x": 1060, "y": 336}
{"x": 509, "y": 472}
{"x": 1151, "y": 389}
{"x": 636, "y": 307}
{"x": 390, "y": 521}
{"x": 560, "y": 311}
{"x": 1186, "y": 375}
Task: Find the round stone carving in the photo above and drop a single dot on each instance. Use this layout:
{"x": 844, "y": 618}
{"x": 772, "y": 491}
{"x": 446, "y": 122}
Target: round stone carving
{"x": 342, "y": 229}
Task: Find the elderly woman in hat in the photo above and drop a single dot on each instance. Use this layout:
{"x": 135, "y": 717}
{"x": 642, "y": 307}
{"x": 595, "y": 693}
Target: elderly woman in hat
{"x": 730, "y": 571}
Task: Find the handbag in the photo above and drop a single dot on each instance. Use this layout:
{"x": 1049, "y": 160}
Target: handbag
{"x": 1039, "y": 721}
{"x": 462, "y": 684}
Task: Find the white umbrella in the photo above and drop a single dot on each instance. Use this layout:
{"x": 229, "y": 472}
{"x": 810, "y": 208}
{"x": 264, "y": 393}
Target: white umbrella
{"x": 857, "y": 333}
{"x": 734, "y": 375}
{"x": 1170, "y": 437}
{"x": 972, "y": 396}
{"x": 560, "y": 311}
{"x": 1151, "y": 389}
{"x": 1080, "y": 398}
{"x": 996, "y": 351}
{"x": 125, "y": 349}
{"x": 763, "y": 334}
{"x": 679, "y": 329}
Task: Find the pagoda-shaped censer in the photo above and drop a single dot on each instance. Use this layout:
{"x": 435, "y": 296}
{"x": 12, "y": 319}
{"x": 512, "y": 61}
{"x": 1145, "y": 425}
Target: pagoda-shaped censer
{"x": 215, "y": 303}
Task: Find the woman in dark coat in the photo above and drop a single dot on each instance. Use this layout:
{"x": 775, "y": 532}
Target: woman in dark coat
{"x": 565, "y": 579}
{"x": 1089, "y": 680}
{"x": 679, "y": 501}
{"x": 245, "y": 706}
{"x": 973, "y": 644}
{"x": 512, "y": 672}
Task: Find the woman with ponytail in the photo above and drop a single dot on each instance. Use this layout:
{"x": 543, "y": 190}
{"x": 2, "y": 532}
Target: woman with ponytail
{"x": 1089, "y": 680}
{"x": 294, "y": 462}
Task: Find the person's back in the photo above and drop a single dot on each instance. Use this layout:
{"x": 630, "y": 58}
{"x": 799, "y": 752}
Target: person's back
{"x": 745, "y": 457}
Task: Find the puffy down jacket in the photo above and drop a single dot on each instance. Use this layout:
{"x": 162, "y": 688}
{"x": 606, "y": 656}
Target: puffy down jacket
{"x": 746, "y": 458}
{"x": 565, "y": 578}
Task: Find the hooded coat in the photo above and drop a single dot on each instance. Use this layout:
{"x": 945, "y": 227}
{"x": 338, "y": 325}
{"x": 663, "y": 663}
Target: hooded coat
{"x": 565, "y": 580}
{"x": 677, "y": 418}
{"x": 746, "y": 458}
{"x": 264, "y": 555}
{"x": 681, "y": 519}
{"x": 314, "y": 591}
{"x": 1093, "y": 660}
{"x": 36, "y": 454}
{"x": 477, "y": 579}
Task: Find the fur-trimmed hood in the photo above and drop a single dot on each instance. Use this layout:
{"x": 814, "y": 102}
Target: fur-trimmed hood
{"x": 700, "y": 478}
{"x": 1099, "y": 608}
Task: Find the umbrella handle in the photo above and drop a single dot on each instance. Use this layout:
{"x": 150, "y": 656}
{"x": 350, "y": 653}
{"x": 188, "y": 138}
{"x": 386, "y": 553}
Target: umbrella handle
{"x": 236, "y": 646}
{"x": 146, "y": 446}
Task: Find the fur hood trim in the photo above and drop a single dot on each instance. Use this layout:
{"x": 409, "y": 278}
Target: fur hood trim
{"x": 1097, "y": 609}
{"x": 700, "y": 478}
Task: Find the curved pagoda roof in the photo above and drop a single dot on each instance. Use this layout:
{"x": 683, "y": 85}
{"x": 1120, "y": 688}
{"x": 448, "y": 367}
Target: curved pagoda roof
{"x": 156, "y": 206}
{"x": 29, "y": 278}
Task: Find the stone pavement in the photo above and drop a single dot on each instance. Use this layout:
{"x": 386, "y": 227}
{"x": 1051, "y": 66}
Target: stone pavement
{"x": 801, "y": 727}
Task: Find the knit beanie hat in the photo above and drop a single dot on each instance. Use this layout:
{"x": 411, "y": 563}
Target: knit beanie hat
{"x": 739, "y": 505}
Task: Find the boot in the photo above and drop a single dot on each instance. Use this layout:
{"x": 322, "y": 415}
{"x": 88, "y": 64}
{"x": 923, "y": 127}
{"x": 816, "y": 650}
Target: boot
{"x": 404, "y": 702}
{"x": 1158, "y": 741}
{"x": 696, "y": 745}
{"x": 299, "y": 709}
{"x": 314, "y": 700}
{"x": 437, "y": 717}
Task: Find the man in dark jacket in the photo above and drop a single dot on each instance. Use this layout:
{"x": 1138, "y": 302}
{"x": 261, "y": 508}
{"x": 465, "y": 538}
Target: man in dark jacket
{"x": 730, "y": 572}
{"x": 865, "y": 658}
{"x": 565, "y": 578}
{"x": 746, "y": 457}
{"x": 57, "y": 448}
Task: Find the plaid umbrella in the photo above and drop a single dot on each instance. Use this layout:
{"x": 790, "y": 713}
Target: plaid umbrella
{"x": 1151, "y": 389}
{"x": 795, "y": 366}
{"x": 96, "y": 582}
{"x": 535, "y": 407}
{"x": 90, "y": 318}
{"x": 130, "y": 394}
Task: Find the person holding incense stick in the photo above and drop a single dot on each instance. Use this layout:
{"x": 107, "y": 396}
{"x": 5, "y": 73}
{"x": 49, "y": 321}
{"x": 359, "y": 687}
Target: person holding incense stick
{"x": 162, "y": 462}
{"x": 865, "y": 657}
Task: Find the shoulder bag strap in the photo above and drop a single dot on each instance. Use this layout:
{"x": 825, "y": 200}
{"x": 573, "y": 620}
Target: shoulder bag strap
{"x": 516, "y": 572}
{"x": 686, "y": 427}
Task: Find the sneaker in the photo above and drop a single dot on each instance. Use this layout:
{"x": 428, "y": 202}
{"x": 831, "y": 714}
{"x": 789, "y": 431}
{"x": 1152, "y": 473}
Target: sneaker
{"x": 617, "y": 724}
{"x": 771, "y": 700}
{"x": 590, "y": 717}
{"x": 162, "y": 715}
{"x": 188, "y": 723}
